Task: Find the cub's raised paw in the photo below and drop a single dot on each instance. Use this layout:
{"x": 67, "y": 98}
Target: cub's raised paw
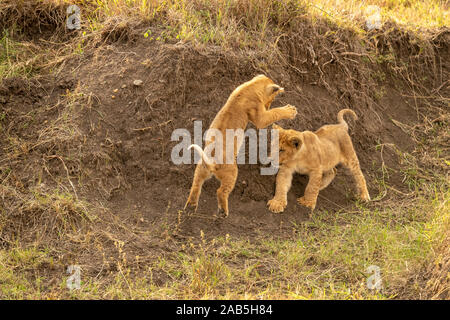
{"x": 291, "y": 111}
{"x": 276, "y": 206}
{"x": 306, "y": 203}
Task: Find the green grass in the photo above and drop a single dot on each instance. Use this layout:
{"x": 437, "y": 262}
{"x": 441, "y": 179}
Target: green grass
{"x": 325, "y": 258}
{"x": 232, "y": 21}
{"x": 15, "y": 266}
{"x": 9, "y": 56}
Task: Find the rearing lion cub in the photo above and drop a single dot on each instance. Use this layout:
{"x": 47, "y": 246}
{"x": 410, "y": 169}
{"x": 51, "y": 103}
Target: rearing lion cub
{"x": 315, "y": 154}
{"x": 248, "y": 102}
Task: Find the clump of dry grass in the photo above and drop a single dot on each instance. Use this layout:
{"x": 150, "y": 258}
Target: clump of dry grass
{"x": 437, "y": 272}
{"x": 33, "y": 207}
{"x": 33, "y": 17}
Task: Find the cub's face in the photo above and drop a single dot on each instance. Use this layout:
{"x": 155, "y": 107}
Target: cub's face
{"x": 289, "y": 144}
{"x": 267, "y": 88}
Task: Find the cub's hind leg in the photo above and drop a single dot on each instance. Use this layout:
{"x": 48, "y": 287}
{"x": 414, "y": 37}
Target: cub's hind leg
{"x": 201, "y": 174}
{"x": 227, "y": 175}
{"x": 352, "y": 163}
{"x": 327, "y": 177}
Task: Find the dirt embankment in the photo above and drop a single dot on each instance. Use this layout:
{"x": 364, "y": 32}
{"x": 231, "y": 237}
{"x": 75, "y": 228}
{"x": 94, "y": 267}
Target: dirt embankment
{"x": 86, "y": 129}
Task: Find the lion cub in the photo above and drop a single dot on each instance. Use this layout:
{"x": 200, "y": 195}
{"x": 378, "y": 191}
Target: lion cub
{"x": 315, "y": 154}
{"x": 248, "y": 102}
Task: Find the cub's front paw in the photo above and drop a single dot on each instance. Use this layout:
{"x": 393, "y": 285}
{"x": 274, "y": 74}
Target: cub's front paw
{"x": 221, "y": 213}
{"x": 304, "y": 202}
{"x": 276, "y": 206}
{"x": 190, "y": 208}
{"x": 291, "y": 111}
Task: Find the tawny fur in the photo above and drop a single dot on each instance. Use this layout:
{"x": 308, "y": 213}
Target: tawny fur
{"x": 248, "y": 102}
{"x": 315, "y": 154}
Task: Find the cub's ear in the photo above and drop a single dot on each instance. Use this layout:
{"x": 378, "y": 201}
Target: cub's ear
{"x": 296, "y": 142}
{"x": 273, "y": 88}
{"x": 277, "y": 127}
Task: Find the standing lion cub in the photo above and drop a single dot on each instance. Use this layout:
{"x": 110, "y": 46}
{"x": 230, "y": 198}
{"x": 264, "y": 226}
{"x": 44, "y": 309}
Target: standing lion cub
{"x": 315, "y": 154}
{"x": 248, "y": 102}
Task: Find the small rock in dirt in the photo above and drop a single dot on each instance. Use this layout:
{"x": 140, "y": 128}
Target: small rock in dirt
{"x": 115, "y": 90}
{"x": 124, "y": 86}
{"x": 113, "y": 97}
{"x": 146, "y": 62}
{"x": 137, "y": 83}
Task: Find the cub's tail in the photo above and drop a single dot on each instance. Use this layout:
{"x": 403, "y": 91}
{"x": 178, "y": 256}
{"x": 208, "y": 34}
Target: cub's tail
{"x": 207, "y": 162}
{"x": 341, "y": 114}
